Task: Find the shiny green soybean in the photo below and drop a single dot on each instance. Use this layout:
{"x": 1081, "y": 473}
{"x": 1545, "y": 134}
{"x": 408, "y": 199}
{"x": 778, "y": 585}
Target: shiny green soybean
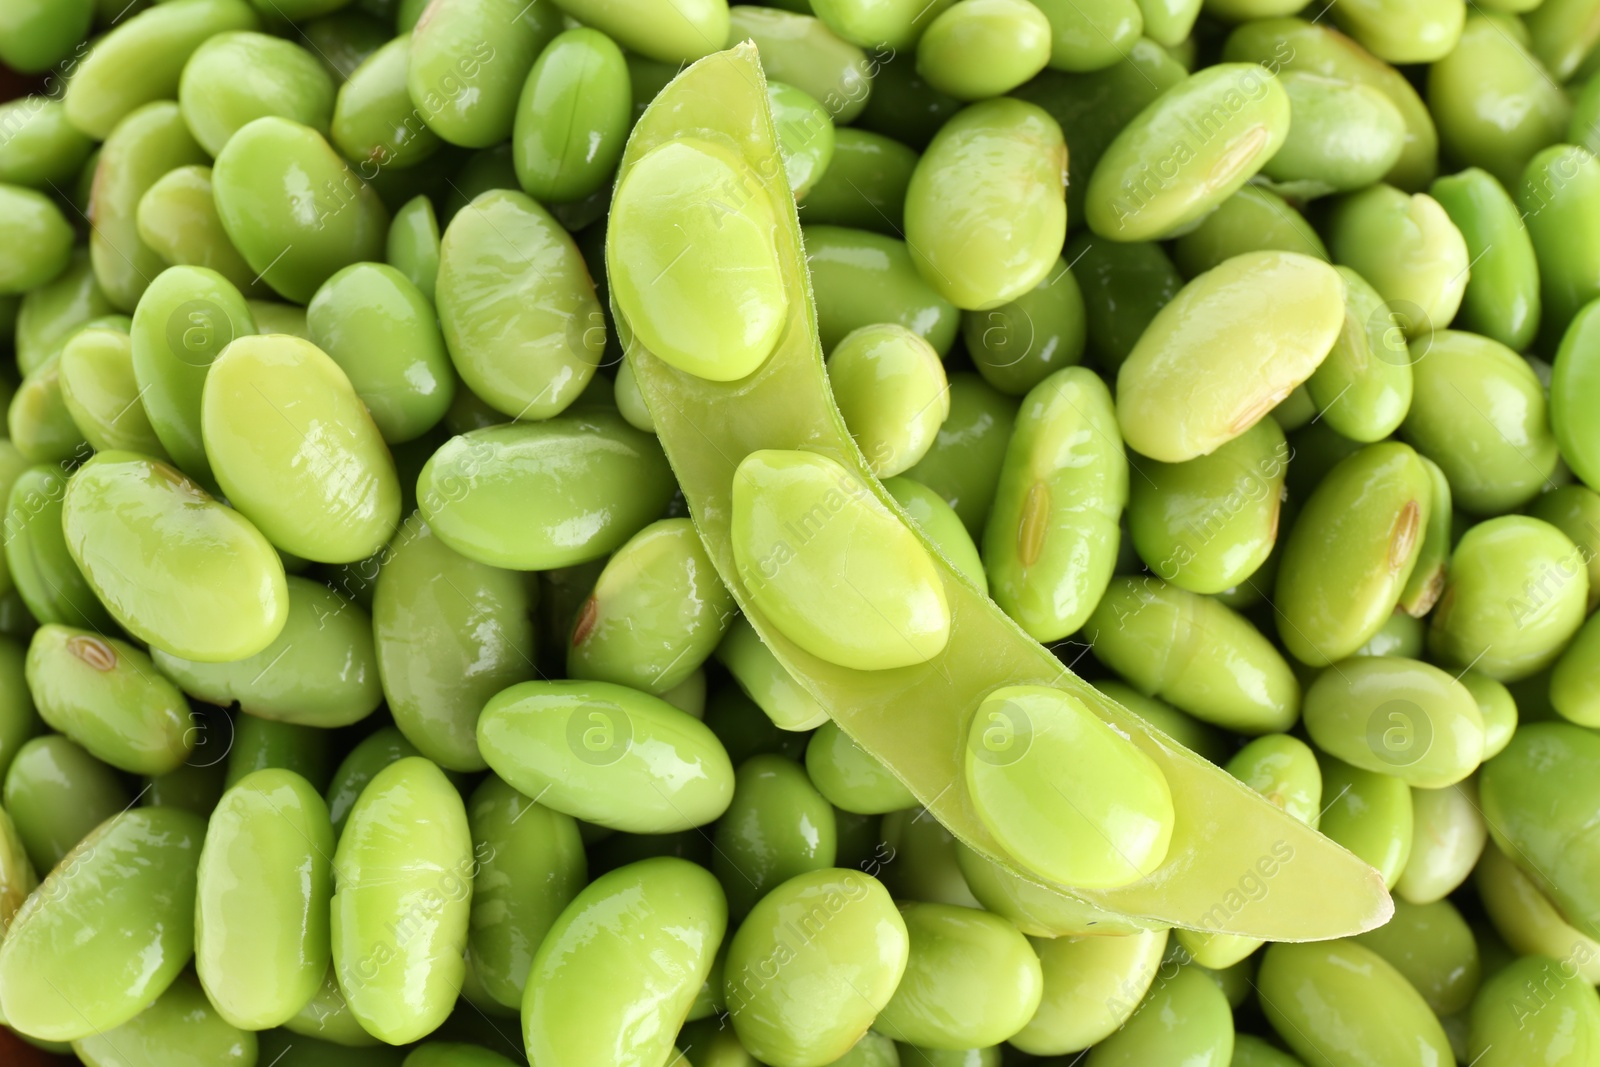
{"x": 101, "y": 392}
{"x": 41, "y": 566}
{"x": 572, "y": 116}
{"x": 106, "y": 695}
{"x": 1426, "y": 584}
{"x": 1497, "y": 707}
{"x": 62, "y": 975}
{"x": 37, "y": 34}
{"x": 262, "y": 743}
{"x": 374, "y": 752}
{"x": 404, "y": 866}
{"x": 1160, "y": 174}
{"x": 37, "y": 239}
{"x": 1092, "y": 37}
{"x": 665, "y": 32}
{"x": 1563, "y": 34}
{"x": 1479, "y": 412}
{"x": 1019, "y": 344}
{"x": 56, "y": 793}
{"x": 1432, "y": 946}
{"x": 798, "y": 998}
{"x": 971, "y": 980}
{"x": 1344, "y": 135}
{"x": 850, "y": 777}
{"x": 1575, "y": 682}
{"x": 1523, "y": 915}
{"x": 1558, "y": 196}
{"x": 766, "y": 681}
{"x": 608, "y": 755}
{"x": 467, "y": 64}
{"x": 940, "y": 523}
{"x": 973, "y": 51}
{"x": 174, "y": 567}
{"x": 1092, "y": 985}
{"x": 374, "y": 123}
{"x": 1370, "y": 814}
{"x": 1364, "y": 387}
{"x": 1408, "y": 248}
{"x": 182, "y": 324}
{"x": 1002, "y": 164}
{"x": 1448, "y": 836}
{"x": 1515, "y": 595}
{"x": 870, "y": 23}
{"x": 38, "y": 419}
{"x": 1536, "y": 1010}
{"x": 861, "y": 278}
{"x": 1254, "y": 219}
{"x": 1418, "y": 32}
{"x": 776, "y": 827}
{"x": 381, "y": 331}
{"x": 797, "y": 49}
{"x": 656, "y": 614}
{"x": 1576, "y": 375}
{"x": 1033, "y": 909}
{"x": 321, "y": 670}
{"x": 52, "y": 313}
{"x": 1208, "y": 524}
{"x": 517, "y": 306}
{"x": 1344, "y": 997}
{"x": 235, "y": 78}
{"x": 177, "y": 218}
{"x": 539, "y": 495}
{"x": 181, "y": 1028}
{"x": 413, "y": 245}
{"x": 1052, "y": 534}
{"x": 1125, "y": 284}
{"x": 891, "y": 389}
{"x": 919, "y": 859}
{"x": 864, "y": 185}
{"x": 1374, "y": 506}
{"x": 294, "y": 208}
{"x": 530, "y": 864}
{"x": 1185, "y": 1019}
{"x": 805, "y": 136}
{"x": 264, "y": 887}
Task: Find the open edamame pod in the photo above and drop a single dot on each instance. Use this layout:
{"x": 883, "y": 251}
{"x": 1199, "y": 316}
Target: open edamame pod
{"x": 917, "y": 719}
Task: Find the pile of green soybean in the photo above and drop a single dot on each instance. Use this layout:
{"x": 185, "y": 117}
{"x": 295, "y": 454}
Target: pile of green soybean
{"x": 451, "y": 615}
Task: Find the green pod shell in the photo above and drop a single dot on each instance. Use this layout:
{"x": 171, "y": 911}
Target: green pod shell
{"x": 37, "y": 559}
{"x": 43, "y": 148}
{"x": 892, "y": 392}
{"x": 1525, "y": 918}
{"x": 142, "y": 59}
{"x": 52, "y": 313}
{"x": 36, "y": 35}
{"x": 1254, "y": 219}
{"x": 101, "y": 392}
{"x": 1448, "y": 836}
{"x": 850, "y": 777}
{"x": 1479, "y": 412}
{"x": 468, "y": 62}
{"x": 374, "y": 123}
{"x": 180, "y": 1027}
{"x": 1514, "y": 596}
{"x": 413, "y": 245}
{"x": 1210, "y": 661}
{"x": 146, "y": 145}
{"x": 977, "y": 50}
{"x": 405, "y": 858}
{"x": 799, "y": 50}
{"x": 1343, "y": 135}
{"x": 1052, "y": 535}
{"x": 619, "y": 969}
{"x": 1370, "y": 814}
{"x": 1018, "y": 345}
{"x": 382, "y": 332}
{"x": 264, "y": 887}
{"x": 134, "y": 875}
{"x": 321, "y": 670}
{"x": 766, "y": 681}
{"x": 106, "y": 695}
{"x": 1278, "y": 312}
{"x": 572, "y": 117}
{"x": 1035, "y": 910}
{"x": 530, "y": 866}
{"x": 1374, "y": 506}
{"x": 816, "y": 1005}
{"x": 184, "y": 321}
{"x": 177, "y": 218}
{"x": 450, "y": 633}
{"x": 1124, "y": 286}
{"x": 1169, "y": 167}
{"x": 294, "y": 208}
{"x": 864, "y": 185}
{"x": 1408, "y": 248}
{"x": 971, "y": 980}
{"x": 1184, "y": 1019}
{"x": 235, "y": 78}
{"x": 1364, "y": 387}
{"x": 1208, "y": 524}
{"x": 1342, "y": 995}
{"x": 1559, "y": 197}
{"x": 1433, "y": 948}
{"x": 39, "y": 422}
{"x": 56, "y": 794}
{"x": 1559, "y": 1022}
{"x": 540, "y": 495}
{"x": 174, "y": 567}
{"x": 1575, "y": 681}
{"x": 862, "y": 278}
{"x": 657, "y": 612}
{"x": 940, "y": 524}
{"x": 607, "y": 754}
{"x": 776, "y": 827}
{"x": 517, "y": 306}
{"x": 1575, "y": 376}
{"x": 1092, "y": 986}
{"x": 36, "y": 237}
{"x": 1004, "y": 163}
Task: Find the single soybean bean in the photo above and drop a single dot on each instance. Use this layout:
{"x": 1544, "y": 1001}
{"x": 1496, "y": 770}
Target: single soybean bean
{"x": 1051, "y": 539}
{"x": 1344, "y": 135}
{"x": 263, "y": 180}
{"x": 530, "y": 864}
{"x": 381, "y": 331}
{"x": 35, "y": 35}
{"x": 1497, "y": 707}
{"x": 259, "y": 744}
{"x": 1279, "y": 311}
{"x": 657, "y": 612}
{"x": 375, "y": 752}
{"x": 450, "y": 1054}
{"x": 135, "y": 875}
{"x": 1575, "y": 375}
{"x": 901, "y": 618}
{"x": 450, "y": 633}
{"x": 106, "y": 695}
{"x": 661, "y": 31}
{"x": 36, "y": 237}
{"x": 47, "y": 578}
{"x": 1575, "y": 682}
{"x": 866, "y": 23}
{"x": 864, "y": 185}
{"x": 1375, "y": 506}
{"x": 1369, "y": 814}
{"x": 1405, "y": 32}
{"x": 1563, "y": 35}
{"x": 891, "y": 389}
{"x": 973, "y": 51}
{"x": 964, "y": 464}
{"x": 1004, "y": 162}
{"x": 795, "y": 48}
{"x": 1408, "y": 248}
{"x": 1515, "y": 595}
{"x": 1364, "y": 387}
{"x": 971, "y": 980}
{"x": 181, "y": 1026}
{"x": 142, "y": 59}
{"x": 1558, "y": 196}
{"x": 1092, "y": 986}
{"x": 939, "y": 522}
{"x": 264, "y": 887}
{"x": 776, "y": 827}
{"x": 1283, "y": 769}
{"x": 572, "y": 117}
{"x": 1035, "y": 910}
{"x": 1160, "y": 174}
{"x": 538, "y": 495}
{"x": 630, "y": 401}
{"x": 1253, "y": 219}
{"x": 1125, "y": 285}
{"x": 816, "y": 1005}
{"x": 1184, "y": 1019}
{"x": 766, "y": 681}
{"x": 56, "y": 793}
{"x": 805, "y": 136}
{"x": 467, "y": 64}
{"x": 234, "y": 78}
{"x": 1208, "y": 524}
{"x": 38, "y": 420}
{"x": 862, "y": 278}
{"x": 101, "y": 392}
{"x": 1448, "y": 837}
{"x": 850, "y": 777}
{"x": 1092, "y": 38}
{"x": 1341, "y": 995}
{"x": 1536, "y": 1009}
{"x": 1527, "y": 920}
{"x": 413, "y": 245}
{"x": 375, "y": 124}
{"x": 517, "y": 306}
{"x": 1432, "y": 947}
{"x": 607, "y": 754}
{"x": 53, "y": 312}
{"x": 1019, "y": 344}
